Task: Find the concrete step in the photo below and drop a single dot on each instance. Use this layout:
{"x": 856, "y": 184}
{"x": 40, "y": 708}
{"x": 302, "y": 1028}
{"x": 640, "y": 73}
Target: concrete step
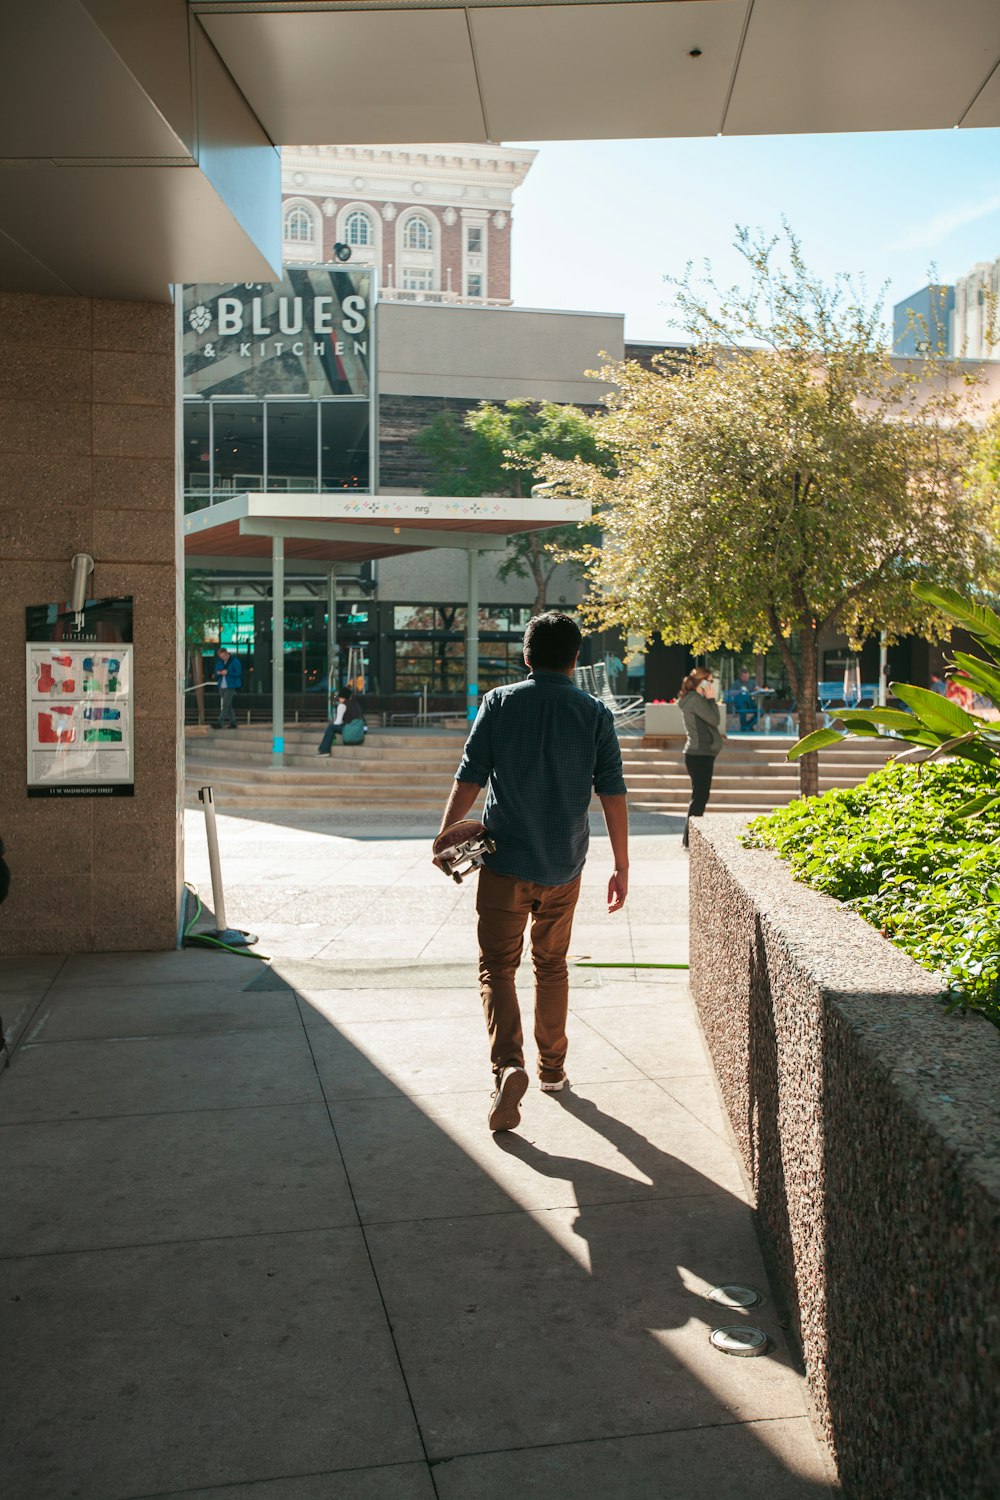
{"x": 398, "y": 769}
{"x": 414, "y": 771}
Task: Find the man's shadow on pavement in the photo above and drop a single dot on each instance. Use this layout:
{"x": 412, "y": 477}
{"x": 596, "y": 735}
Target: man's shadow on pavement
{"x": 643, "y": 1236}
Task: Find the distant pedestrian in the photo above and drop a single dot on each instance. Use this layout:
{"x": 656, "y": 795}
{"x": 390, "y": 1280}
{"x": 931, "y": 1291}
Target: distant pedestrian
{"x": 960, "y": 691}
{"x": 348, "y": 711}
{"x": 740, "y": 698}
{"x": 938, "y": 684}
{"x": 696, "y": 700}
{"x": 229, "y": 677}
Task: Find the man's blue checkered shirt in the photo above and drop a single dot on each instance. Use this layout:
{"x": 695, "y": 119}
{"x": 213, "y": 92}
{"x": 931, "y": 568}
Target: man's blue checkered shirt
{"x": 544, "y": 747}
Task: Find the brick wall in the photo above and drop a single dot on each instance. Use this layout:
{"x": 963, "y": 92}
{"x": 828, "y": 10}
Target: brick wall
{"x": 498, "y": 265}
{"x": 87, "y": 464}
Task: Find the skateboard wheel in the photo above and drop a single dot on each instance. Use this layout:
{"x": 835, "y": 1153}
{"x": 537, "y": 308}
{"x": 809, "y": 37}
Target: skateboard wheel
{"x": 456, "y": 877}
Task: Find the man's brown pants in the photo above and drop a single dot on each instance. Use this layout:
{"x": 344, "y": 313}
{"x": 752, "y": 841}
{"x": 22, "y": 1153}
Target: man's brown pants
{"x": 504, "y": 904}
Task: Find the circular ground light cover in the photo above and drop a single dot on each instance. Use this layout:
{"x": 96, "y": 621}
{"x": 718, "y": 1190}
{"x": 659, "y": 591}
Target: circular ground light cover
{"x": 742, "y": 1340}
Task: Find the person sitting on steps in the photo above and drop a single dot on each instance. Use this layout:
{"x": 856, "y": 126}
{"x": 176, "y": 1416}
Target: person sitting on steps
{"x": 347, "y": 711}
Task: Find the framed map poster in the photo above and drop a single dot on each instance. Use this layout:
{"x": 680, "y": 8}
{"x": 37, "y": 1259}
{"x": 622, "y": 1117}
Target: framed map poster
{"x": 79, "y": 674}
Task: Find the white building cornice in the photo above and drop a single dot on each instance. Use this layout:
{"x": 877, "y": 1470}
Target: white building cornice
{"x": 440, "y": 174}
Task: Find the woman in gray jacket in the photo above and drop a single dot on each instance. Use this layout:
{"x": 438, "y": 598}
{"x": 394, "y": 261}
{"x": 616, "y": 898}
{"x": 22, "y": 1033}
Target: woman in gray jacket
{"x": 696, "y": 701}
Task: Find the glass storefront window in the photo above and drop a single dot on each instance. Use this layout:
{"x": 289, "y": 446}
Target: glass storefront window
{"x": 437, "y": 665}
{"x": 291, "y": 445}
{"x": 500, "y": 662}
{"x": 437, "y": 617}
{"x": 413, "y": 617}
{"x": 306, "y": 446}
{"x": 504, "y": 617}
{"x": 344, "y": 457}
{"x": 197, "y": 456}
{"x": 238, "y": 434}
{"x": 236, "y": 630}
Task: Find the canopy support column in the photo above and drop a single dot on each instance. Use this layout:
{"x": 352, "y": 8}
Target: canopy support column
{"x": 278, "y": 646}
{"x": 472, "y": 637}
{"x": 331, "y": 642}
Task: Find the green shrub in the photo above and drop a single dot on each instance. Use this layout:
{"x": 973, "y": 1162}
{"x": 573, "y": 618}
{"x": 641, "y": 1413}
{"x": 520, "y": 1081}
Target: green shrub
{"x": 895, "y": 851}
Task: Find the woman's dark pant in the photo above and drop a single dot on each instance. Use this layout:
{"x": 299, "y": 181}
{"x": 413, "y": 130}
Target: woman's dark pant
{"x": 699, "y": 768}
{"x": 330, "y": 734}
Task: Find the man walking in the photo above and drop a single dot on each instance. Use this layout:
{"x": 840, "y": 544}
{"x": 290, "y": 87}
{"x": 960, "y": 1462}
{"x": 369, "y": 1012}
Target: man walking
{"x": 544, "y": 747}
{"x": 229, "y": 676}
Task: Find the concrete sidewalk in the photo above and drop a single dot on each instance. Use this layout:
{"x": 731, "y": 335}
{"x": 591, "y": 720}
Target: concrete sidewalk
{"x": 258, "y": 1241}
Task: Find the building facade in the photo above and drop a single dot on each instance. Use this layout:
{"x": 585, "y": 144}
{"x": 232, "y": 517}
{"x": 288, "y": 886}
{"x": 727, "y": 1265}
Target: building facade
{"x": 282, "y": 396}
{"x": 975, "y": 328}
{"x": 921, "y": 324}
{"x": 434, "y": 221}
{"x": 425, "y": 236}
{"x": 960, "y": 320}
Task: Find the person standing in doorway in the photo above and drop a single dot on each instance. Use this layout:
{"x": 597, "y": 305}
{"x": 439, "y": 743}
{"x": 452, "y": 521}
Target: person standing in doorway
{"x": 696, "y": 700}
{"x": 543, "y": 747}
{"x": 229, "y": 676}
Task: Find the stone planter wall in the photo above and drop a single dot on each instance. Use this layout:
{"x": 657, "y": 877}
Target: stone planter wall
{"x": 869, "y": 1125}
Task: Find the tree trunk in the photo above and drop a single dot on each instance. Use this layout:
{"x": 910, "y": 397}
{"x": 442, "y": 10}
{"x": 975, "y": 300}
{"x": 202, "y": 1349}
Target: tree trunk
{"x": 808, "y": 680}
{"x": 540, "y": 577}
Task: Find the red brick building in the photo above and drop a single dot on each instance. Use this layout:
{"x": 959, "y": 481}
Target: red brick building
{"x": 434, "y": 220}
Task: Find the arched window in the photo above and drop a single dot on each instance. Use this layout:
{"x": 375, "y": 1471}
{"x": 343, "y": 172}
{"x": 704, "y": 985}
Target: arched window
{"x": 358, "y": 230}
{"x": 299, "y": 226}
{"x": 417, "y": 234}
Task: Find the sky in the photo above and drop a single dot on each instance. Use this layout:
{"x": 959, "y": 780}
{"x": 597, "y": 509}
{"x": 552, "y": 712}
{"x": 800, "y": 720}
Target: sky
{"x": 599, "y": 224}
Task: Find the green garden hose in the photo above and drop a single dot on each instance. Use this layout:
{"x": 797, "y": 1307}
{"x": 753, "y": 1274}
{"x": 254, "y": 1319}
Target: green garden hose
{"x": 193, "y": 939}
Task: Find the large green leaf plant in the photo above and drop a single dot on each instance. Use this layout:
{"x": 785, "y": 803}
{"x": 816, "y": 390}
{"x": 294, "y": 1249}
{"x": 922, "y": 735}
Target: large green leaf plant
{"x": 931, "y": 723}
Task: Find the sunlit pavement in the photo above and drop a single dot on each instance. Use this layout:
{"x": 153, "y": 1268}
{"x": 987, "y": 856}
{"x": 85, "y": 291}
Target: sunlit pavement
{"x": 258, "y": 1240}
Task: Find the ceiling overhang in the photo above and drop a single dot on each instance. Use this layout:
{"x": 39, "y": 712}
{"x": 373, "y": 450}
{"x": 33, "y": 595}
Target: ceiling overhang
{"x": 419, "y": 70}
{"x": 129, "y": 159}
{"x": 138, "y": 141}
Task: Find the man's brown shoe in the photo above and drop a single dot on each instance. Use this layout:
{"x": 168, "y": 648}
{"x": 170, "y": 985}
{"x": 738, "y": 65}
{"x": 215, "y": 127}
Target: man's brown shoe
{"x": 505, "y": 1112}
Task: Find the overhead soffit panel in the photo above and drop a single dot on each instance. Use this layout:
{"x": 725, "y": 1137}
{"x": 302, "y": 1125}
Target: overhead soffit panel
{"x": 109, "y": 185}
{"x": 985, "y": 110}
{"x": 354, "y": 75}
{"x": 66, "y": 94}
{"x": 124, "y": 231}
{"x": 606, "y": 71}
{"x": 843, "y": 65}
{"x": 227, "y": 541}
{"x": 20, "y": 271}
{"x": 152, "y": 40}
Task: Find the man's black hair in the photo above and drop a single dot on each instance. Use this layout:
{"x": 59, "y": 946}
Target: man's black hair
{"x": 552, "y": 641}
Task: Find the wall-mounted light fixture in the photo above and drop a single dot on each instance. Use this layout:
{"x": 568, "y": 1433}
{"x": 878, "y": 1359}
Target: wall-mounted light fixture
{"x": 83, "y": 566}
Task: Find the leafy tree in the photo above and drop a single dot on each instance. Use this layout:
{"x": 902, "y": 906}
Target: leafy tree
{"x": 201, "y": 618}
{"x": 785, "y": 481}
{"x": 984, "y": 473}
{"x": 499, "y": 450}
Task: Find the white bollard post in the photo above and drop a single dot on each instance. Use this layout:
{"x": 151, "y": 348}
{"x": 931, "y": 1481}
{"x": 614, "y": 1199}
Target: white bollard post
{"x": 232, "y": 937}
{"x": 206, "y": 796}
